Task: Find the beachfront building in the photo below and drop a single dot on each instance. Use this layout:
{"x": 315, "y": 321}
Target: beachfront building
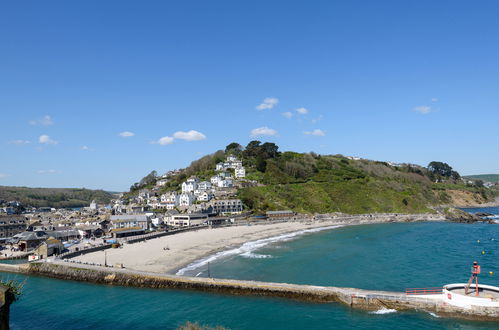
{"x": 186, "y": 220}
{"x": 227, "y": 206}
{"x": 130, "y": 221}
{"x": 280, "y": 214}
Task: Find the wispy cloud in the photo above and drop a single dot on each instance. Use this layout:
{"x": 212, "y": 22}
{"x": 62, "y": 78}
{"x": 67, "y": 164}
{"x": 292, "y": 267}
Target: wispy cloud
{"x": 287, "y": 114}
{"x": 44, "y": 121}
{"x": 268, "y": 103}
{"x": 434, "y": 99}
{"x": 302, "y": 111}
{"x": 165, "y": 140}
{"x": 86, "y": 148}
{"x": 46, "y": 171}
{"x": 19, "y": 142}
{"x": 315, "y": 132}
{"x": 261, "y": 131}
{"x": 423, "y": 109}
{"x": 45, "y": 139}
{"x": 126, "y": 134}
{"x": 4, "y": 175}
{"x": 191, "y": 135}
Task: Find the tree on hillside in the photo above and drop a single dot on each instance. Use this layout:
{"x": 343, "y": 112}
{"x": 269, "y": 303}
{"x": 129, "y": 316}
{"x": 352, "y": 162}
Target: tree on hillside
{"x": 252, "y": 149}
{"x": 234, "y": 149}
{"x": 270, "y": 150}
{"x": 441, "y": 169}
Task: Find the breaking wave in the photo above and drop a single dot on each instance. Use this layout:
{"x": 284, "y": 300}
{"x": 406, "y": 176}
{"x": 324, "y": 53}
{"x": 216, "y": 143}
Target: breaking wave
{"x": 384, "y": 311}
{"x": 247, "y": 248}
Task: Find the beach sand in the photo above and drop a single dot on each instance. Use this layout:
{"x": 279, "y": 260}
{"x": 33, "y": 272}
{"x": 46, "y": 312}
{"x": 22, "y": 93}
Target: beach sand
{"x": 186, "y": 247}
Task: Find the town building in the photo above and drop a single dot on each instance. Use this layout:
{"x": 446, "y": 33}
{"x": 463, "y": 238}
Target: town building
{"x": 11, "y": 225}
{"x": 227, "y": 206}
{"x": 185, "y": 220}
{"x": 190, "y": 185}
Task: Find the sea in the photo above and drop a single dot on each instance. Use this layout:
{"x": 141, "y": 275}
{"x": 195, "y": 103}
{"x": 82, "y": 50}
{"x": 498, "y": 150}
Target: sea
{"x": 391, "y": 257}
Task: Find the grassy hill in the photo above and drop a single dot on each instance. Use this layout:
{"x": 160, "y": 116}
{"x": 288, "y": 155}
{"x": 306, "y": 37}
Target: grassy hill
{"x": 54, "y": 197}
{"x": 484, "y": 177}
{"x": 312, "y": 183}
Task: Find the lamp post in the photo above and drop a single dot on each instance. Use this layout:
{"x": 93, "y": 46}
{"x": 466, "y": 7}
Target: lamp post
{"x": 105, "y": 258}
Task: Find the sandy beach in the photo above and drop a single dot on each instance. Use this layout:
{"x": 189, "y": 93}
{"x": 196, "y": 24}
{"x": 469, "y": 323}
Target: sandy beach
{"x": 185, "y": 248}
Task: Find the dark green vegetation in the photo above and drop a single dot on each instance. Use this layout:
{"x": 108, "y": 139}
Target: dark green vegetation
{"x": 53, "y": 197}
{"x": 494, "y": 178}
{"x": 312, "y": 183}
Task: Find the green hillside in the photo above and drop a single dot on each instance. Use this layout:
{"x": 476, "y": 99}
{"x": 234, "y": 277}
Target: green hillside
{"x": 53, "y": 197}
{"x": 484, "y": 177}
{"x": 312, "y": 183}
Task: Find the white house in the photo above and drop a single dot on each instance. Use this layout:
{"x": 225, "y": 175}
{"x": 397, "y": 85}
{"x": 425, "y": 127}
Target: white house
{"x": 214, "y": 180}
{"x": 170, "y": 197}
{"x": 190, "y": 185}
{"x": 204, "y": 185}
{"x": 205, "y": 196}
{"x": 93, "y": 205}
{"x": 225, "y": 183}
{"x": 161, "y": 182}
{"x": 240, "y": 172}
{"x": 186, "y": 199}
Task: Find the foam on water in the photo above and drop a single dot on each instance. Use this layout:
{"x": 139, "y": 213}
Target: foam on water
{"x": 384, "y": 311}
{"x": 255, "y": 255}
{"x": 247, "y": 248}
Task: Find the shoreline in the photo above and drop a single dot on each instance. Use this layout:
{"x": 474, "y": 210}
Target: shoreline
{"x": 171, "y": 254}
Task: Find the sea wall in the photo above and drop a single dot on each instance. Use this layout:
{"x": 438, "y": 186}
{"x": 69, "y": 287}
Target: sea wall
{"x": 4, "y": 308}
{"x": 355, "y": 298}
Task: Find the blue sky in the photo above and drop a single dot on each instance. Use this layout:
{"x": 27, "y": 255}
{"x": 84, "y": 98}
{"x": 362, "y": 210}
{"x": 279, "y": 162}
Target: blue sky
{"x": 404, "y": 81}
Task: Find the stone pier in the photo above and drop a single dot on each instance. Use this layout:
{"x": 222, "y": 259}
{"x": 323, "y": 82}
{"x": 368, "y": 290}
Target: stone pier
{"x": 356, "y": 298}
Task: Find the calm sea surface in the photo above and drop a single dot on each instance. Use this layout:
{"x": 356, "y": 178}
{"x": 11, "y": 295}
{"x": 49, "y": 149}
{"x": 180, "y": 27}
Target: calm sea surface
{"x": 384, "y": 257}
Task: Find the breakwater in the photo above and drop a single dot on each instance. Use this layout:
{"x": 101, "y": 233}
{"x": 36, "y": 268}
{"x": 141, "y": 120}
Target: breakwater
{"x": 355, "y": 298}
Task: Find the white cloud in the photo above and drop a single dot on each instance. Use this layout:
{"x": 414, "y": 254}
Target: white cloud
{"x": 268, "y": 103}
{"x": 316, "y": 132}
{"x": 423, "y": 109}
{"x": 165, "y": 140}
{"x": 45, "y": 139}
{"x": 191, "y": 135}
{"x": 3, "y": 175}
{"x": 434, "y": 99}
{"x": 85, "y": 148}
{"x": 46, "y": 171}
{"x": 287, "y": 114}
{"x": 45, "y": 121}
{"x": 20, "y": 142}
{"x": 302, "y": 111}
{"x": 315, "y": 120}
{"x": 263, "y": 131}
{"x": 126, "y": 134}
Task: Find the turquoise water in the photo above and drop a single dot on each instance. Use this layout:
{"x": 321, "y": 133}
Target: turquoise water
{"x": 387, "y": 256}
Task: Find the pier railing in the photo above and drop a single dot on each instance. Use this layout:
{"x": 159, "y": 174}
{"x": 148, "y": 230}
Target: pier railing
{"x": 423, "y": 291}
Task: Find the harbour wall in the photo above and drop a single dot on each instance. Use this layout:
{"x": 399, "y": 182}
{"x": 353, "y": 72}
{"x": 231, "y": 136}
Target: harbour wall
{"x": 356, "y": 298}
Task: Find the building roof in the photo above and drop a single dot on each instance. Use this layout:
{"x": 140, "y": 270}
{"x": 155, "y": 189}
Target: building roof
{"x": 127, "y": 230}
{"x": 279, "y": 212}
